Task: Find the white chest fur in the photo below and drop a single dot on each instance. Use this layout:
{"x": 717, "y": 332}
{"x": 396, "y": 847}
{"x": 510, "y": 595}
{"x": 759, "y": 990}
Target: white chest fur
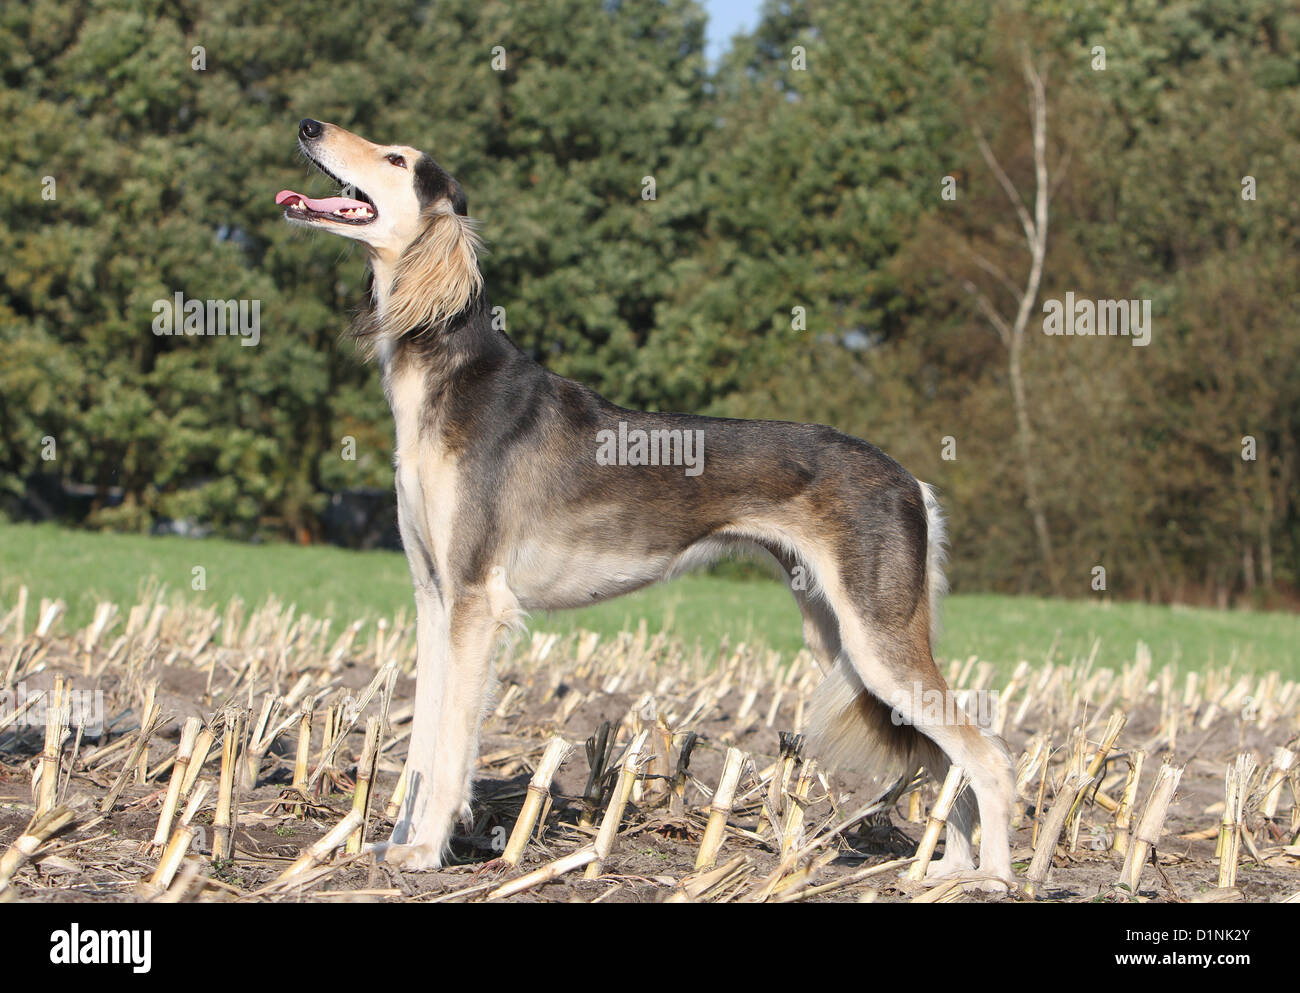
{"x": 425, "y": 472}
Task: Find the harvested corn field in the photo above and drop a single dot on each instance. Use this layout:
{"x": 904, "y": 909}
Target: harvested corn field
{"x": 176, "y": 754}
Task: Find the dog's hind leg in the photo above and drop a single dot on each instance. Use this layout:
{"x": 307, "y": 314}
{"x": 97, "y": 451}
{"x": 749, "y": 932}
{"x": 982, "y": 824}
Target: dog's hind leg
{"x": 821, "y": 631}
{"x": 902, "y": 673}
{"x": 821, "y": 628}
{"x": 873, "y": 709}
{"x": 852, "y": 729}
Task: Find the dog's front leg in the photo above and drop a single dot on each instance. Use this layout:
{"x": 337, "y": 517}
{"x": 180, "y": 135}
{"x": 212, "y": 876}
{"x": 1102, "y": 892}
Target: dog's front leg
{"x": 417, "y": 840}
{"x": 454, "y": 655}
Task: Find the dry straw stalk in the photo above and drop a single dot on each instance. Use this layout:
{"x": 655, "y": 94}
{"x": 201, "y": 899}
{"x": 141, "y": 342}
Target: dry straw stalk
{"x": 551, "y": 870}
{"x": 16, "y": 714}
{"x": 365, "y": 776}
{"x": 179, "y": 844}
{"x": 953, "y": 784}
{"x": 539, "y": 791}
{"x": 1075, "y": 783}
{"x": 189, "y": 735}
{"x": 1283, "y": 760}
{"x": 1124, "y": 813}
{"x": 1236, "y": 784}
{"x": 39, "y": 831}
{"x": 609, "y": 824}
{"x": 302, "y": 759}
{"x": 142, "y": 757}
{"x": 49, "y": 765}
{"x": 399, "y": 794}
{"x": 202, "y": 748}
{"x": 1151, "y": 824}
{"x": 322, "y": 849}
{"x": 720, "y": 809}
{"x": 792, "y": 826}
{"x": 148, "y": 728}
{"x": 223, "y": 824}
{"x": 1113, "y": 728}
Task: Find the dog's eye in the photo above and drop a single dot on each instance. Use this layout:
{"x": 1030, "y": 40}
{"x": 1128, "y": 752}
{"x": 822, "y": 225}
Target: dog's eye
{"x": 397, "y": 160}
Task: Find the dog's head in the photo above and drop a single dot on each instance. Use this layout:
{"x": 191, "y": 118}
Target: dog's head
{"x": 406, "y": 209}
{"x": 389, "y": 191}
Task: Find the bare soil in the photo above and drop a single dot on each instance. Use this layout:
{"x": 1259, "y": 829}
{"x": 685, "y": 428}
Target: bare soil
{"x": 551, "y": 686}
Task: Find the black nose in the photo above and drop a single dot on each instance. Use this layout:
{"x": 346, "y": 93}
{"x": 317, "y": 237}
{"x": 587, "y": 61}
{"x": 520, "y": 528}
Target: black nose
{"x": 309, "y": 128}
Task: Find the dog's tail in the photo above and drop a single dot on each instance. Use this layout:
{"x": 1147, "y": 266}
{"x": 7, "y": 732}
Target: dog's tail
{"x": 849, "y": 726}
{"x": 936, "y": 555}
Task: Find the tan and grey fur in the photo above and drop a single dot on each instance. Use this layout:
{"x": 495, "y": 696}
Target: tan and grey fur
{"x": 504, "y": 508}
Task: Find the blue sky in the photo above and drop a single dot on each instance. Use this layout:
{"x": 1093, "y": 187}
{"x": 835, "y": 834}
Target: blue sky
{"x": 726, "y": 17}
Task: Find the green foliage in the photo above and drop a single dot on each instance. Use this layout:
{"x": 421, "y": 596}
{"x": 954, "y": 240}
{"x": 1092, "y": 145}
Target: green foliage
{"x": 804, "y": 172}
{"x": 165, "y": 176}
{"x": 825, "y": 193}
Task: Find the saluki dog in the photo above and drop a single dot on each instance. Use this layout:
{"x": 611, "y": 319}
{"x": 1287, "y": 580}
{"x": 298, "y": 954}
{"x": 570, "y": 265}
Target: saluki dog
{"x": 519, "y": 490}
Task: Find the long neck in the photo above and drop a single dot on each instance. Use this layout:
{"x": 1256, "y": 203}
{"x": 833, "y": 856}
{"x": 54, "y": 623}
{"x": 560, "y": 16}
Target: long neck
{"x": 465, "y": 339}
{"x": 452, "y": 341}
{"x": 425, "y": 368}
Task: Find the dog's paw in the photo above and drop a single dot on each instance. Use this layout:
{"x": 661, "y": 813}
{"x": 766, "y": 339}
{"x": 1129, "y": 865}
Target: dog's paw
{"x": 409, "y": 858}
{"x": 994, "y": 884}
{"x": 969, "y": 879}
{"x": 945, "y": 869}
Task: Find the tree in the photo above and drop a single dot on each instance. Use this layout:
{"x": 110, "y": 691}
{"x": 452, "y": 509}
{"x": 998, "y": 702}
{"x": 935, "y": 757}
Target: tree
{"x": 1012, "y": 333}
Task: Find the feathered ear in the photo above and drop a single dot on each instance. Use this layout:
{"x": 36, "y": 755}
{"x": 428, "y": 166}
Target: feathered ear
{"x": 438, "y": 274}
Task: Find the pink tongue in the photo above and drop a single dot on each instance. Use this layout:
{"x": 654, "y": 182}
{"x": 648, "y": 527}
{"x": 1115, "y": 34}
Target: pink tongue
{"x": 327, "y": 205}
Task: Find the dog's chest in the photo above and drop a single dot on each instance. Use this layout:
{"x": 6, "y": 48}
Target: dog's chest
{"x": 425, "y": 472}
{"x": 406, "y": 397}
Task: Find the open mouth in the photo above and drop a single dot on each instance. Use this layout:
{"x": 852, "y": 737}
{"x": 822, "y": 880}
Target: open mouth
{"x": 355, "y": 209}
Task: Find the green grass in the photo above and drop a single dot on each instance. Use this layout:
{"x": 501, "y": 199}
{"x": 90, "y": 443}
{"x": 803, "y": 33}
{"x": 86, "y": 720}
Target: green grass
{"x": 83, "y": 568}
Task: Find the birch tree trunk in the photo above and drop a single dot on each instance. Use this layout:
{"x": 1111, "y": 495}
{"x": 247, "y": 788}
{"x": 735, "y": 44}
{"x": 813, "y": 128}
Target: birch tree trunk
{"x": 1012, "y": 333}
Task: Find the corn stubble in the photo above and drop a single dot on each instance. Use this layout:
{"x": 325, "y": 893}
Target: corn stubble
{"x": 267, "y": 777}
